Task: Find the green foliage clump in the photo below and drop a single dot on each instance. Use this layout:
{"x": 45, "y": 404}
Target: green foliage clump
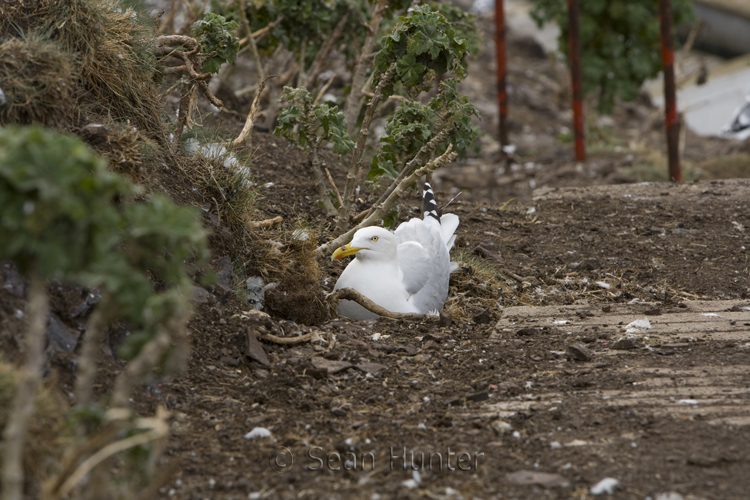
{"x": 216, "y": 35}
{"x": 463, "y": 23}
{"x": 307, "y": 23}
{"x": 64, "y": 215}
{"x": 56, "y": 202}
{"x": 422, "y": 44}
{"x": 302, "y": 121}
{"x": 413, "y": 124}
{"x": 620, "y": 41}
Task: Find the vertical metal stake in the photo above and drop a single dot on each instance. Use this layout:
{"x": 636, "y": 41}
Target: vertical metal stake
{"x": 671, "y": 122}
{"x": 502, "y": 96}
{"x": 574, "y": 49}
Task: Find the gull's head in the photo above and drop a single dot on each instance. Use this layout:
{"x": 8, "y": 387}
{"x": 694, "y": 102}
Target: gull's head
{"x": 372, "y": 243}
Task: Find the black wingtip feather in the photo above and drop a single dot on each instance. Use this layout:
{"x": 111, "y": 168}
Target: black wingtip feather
{"x": 429, "y": 207}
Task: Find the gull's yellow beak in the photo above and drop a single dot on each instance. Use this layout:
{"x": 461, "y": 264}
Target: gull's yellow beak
{"x": 344, "y": 251}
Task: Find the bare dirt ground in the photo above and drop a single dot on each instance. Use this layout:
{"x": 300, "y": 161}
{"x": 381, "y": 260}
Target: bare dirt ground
{"x": 535, "y": 388}
{"x": 665, "y": 413}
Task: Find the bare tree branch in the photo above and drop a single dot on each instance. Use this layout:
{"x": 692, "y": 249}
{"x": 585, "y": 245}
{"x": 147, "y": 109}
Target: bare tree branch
{"x": 356, "y": 161}
{"x": 147, "y": 358}
{"x": 317, "y": 65}
{"x": 355, "y": 296}
{"x": 92, "y": 340}
{"x": 424, "y": 153}
{"x": 320, "y": 182}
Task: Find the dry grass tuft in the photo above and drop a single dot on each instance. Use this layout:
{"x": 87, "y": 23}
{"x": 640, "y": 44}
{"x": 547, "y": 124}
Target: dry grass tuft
{"x": 732, "y": 166}
{"x": 227, "y": 193}
{"x": 37, "y": 78}
{"x": 114, "y": 71}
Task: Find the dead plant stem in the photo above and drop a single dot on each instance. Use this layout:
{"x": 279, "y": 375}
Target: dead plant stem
{"x": 355, "y": 99}
{"x": 356, "y": 161}
{"x": 247, "y": 129}
{"x": 355, "y": 296}
{"x": 22, "y": 409}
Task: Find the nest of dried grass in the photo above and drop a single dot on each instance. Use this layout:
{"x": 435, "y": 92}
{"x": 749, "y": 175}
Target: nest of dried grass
{"x": 287, "y": 257}
{"x": 475, "y": 287}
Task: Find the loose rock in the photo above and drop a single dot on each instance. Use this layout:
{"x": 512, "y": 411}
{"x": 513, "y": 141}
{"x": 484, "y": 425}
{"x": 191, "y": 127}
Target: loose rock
{"x": 579, "y": 352}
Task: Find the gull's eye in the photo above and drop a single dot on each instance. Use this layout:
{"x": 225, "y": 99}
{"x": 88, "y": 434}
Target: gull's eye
{"x": 374, "y": 238}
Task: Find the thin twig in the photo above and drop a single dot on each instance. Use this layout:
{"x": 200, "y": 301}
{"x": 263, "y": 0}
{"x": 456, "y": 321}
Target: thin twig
{"x": 424, "y": 152}
{"x": 317, "y": 65}
{"x": 355, "y": 164}
{"x": 261, "y": 33}
{"x": 355, "y": 100}
{"x": 159, "y": 428}
{"x": 269, "y": 337}
{"x": 92, "y": 341}
{"x": 73, "y": 456}
{"x": 333, "y": 184}
{"x": 320, "y": 182}
{"x": 147, "y": 358}
{"x": 265, "y": 223}
{"x": 245, "y": 24}
{"x": 325, "y": 87}
{"x": 247, "y": 129}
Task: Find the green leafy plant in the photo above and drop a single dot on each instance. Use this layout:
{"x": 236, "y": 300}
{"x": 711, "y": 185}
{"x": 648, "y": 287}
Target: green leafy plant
{"x": 463, "y": 23}
{"x": 216, "y": 36}
{"x": 311, "y": 125}
{"x": 620, "y": 42}
{"x": 64, "y": 215}
{"x": 309, "y": 29}
{"x": 419, "y": 138}
{"x": 422, "y": 45}
{"x": 414, "y": 124}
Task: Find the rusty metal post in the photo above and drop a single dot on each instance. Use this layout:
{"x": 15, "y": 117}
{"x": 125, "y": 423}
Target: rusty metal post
{"x": 576, "y": 75}
{"x": 672, "y": 122}
{"x": 502, "y": 95}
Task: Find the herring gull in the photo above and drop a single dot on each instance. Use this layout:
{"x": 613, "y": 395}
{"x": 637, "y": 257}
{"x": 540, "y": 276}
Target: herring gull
{"x": 405, "y": 271}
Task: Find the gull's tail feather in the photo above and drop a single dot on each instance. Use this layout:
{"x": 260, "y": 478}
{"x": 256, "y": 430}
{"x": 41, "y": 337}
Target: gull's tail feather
{"x": 429, "y": 207}
{"x": 448, "y": 226}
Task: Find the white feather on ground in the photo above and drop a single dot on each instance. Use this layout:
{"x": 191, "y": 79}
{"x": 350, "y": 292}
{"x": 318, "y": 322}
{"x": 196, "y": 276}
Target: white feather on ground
{"x": 406, "y": 271}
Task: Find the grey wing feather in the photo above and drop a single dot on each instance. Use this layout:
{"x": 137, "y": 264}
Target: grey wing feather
{"x": 414, "y": 260}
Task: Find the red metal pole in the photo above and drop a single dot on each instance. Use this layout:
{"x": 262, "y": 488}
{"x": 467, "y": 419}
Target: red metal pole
{"x": 671, "y": 123}
{"x": 576, "y": 74}
{"x": 502, "y": 96}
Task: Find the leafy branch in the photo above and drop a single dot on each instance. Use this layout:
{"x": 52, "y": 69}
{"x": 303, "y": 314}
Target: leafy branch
{"x": 311, "y": 125}
{"x": 422, "y": 46}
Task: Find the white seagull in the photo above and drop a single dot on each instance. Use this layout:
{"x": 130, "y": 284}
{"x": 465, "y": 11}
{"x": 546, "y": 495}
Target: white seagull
{"x": 406, "y": 271}
{"x": 739, "y": 128}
